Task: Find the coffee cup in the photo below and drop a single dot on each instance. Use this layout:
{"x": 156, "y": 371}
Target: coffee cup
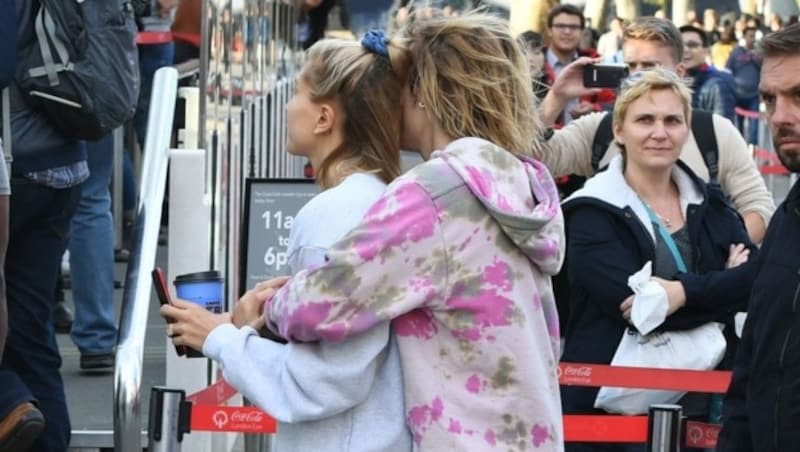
{"x": 204, "y": 289}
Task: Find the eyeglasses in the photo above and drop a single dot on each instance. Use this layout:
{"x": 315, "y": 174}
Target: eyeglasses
{"x": 692, "y": 44}
{"x": 566, "y": 27}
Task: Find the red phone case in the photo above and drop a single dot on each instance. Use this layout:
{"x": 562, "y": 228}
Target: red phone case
{"x": 160, "y": 284}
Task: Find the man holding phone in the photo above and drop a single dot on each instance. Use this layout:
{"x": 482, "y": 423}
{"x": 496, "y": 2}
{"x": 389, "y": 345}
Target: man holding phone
{"x": 564, "y": 25}
{"x": 650, "y": 42}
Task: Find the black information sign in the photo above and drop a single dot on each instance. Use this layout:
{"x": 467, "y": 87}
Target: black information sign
{"x": 269, "y": 211}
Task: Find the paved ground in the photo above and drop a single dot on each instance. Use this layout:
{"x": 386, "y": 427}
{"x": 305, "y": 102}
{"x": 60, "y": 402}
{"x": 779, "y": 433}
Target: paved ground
{"x": 90, "y": 397}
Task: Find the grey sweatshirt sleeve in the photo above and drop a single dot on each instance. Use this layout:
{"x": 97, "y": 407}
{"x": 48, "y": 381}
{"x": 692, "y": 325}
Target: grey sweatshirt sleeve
{"x": 298, "y": 382}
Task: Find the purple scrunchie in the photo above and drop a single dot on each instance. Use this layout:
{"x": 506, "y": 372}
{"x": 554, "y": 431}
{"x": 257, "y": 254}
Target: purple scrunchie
{"x": 376, "y": 42}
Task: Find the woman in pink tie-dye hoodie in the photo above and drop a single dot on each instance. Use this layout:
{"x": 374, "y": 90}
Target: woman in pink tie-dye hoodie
{"x": 458, "y": 252}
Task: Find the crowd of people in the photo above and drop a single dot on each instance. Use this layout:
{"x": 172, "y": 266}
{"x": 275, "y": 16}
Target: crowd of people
{"x": 429, "y": 310}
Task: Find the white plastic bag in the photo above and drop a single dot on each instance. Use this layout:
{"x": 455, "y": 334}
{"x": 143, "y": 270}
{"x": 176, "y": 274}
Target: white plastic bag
{"x": 701, "y": 348}
{"x": 650, "y": 305}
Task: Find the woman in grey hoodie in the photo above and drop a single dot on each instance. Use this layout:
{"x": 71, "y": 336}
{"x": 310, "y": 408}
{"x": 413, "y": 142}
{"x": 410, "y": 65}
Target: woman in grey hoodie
{"x": 345, "y": 118}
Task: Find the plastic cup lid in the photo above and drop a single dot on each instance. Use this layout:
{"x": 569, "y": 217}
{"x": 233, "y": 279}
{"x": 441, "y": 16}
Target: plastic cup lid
{"x": 206, "y": 276}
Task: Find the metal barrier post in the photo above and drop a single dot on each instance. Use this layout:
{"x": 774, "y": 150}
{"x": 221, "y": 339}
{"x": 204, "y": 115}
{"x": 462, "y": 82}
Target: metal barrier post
{"x": 664, "y": 428}
{"x": 169, "y": 419}
{"x": 116, "y": 203}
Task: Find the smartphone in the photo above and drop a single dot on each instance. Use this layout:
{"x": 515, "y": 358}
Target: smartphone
{"x": 604, "y": 75}
{"x": 162, "y": 290}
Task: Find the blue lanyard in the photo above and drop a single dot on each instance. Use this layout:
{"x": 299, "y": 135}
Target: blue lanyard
{"x": 662, "y": 231}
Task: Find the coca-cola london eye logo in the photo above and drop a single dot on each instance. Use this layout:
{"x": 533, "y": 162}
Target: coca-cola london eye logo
{"x": 220, "y": 419}
{"x": 240, "y": 419}
{"x": 575, "y": 374}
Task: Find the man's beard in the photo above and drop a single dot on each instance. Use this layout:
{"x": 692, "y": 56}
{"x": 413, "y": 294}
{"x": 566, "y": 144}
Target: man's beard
{"x": 789, "y": 160}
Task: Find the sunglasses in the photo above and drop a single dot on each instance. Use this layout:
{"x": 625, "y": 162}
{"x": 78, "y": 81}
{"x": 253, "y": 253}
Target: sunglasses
{"x": 635, "y": 77}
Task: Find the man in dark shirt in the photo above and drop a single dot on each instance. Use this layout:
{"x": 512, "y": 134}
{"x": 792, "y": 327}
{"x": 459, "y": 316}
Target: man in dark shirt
{"x": 760, "y": 412}
{"x": 712, "y": 88}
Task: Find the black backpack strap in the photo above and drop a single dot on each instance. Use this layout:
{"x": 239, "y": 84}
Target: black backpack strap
{"x": 602, "y": 139}
{"x": 706, "y": 138}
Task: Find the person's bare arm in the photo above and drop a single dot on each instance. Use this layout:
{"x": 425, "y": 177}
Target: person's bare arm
{"x": 756, "y": 226}
{"x": 567, "y": 86}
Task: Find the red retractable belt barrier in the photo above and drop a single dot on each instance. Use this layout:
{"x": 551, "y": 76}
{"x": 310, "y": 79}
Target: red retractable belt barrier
{"x": 633, "y": 429}
{"x": 163, "y": 37}
{"x": 208, "y": 416}
{"x": 747, "y": 113}
{"x": 605, "y": 429}
{"x": 595, "y": 375}
{"x": 243, "y": 419}
{"x": 702, "y": 435}
{"x": 768, "y": 162}
{"x": 216, "y": 394}
{"x": 153, "y": 37}
{"x": 191, "y": 38}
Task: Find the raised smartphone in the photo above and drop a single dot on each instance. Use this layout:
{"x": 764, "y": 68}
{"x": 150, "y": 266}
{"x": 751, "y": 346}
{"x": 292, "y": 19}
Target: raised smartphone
{"x": 604, "y": 75}
{"x": 162, "y": 291}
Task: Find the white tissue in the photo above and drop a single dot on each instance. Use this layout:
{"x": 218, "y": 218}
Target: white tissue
{"x": 650, "y": 304}
{"x": 738, "y": 323}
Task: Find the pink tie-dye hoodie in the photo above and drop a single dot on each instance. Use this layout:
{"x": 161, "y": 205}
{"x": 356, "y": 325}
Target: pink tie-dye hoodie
{"x": 459, "y": 253}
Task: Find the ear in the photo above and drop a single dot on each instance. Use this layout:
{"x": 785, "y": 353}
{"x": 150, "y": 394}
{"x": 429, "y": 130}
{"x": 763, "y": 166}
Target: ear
{"x": 327, "y": 117}
{"x": 618, "y": 134}
{"x": 680, "y": 69}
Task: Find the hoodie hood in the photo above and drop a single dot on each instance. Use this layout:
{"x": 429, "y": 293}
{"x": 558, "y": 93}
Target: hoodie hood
{"x": 610, "y": 187}
{"x": 519, "y": 194}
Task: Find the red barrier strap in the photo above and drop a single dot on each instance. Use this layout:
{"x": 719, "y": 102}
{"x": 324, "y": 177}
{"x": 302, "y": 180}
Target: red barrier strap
{"x": 631, "y": 429}
{"x": 191, "y": 38}
{"x": 605, "y": 429}
{"x": 747, "y": 113}
{"x": 153, "y": 37}
{"x": 216, "y": 394}
{"x": 595, "y": 375}
{"x": 231, "y": 419}
{"x": 702, "y": 435}
{"x": 764, "y": 154}
{"x": 768, "y": 162}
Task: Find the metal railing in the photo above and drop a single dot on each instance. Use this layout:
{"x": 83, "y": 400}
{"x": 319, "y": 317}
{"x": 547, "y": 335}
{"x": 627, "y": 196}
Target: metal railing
{"x": 249, "y": 57}
{"x": 138, "y": 284}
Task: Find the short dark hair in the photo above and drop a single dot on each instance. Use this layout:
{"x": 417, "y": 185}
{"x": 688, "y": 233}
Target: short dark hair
{"x": 698, "y": 31}
{"x": 531, "y": 39}
{"x": 571, "y": 10}
{"x": 785, "y": 42}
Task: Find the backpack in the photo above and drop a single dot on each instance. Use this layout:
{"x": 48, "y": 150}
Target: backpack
{"x": 703, "y": 131}
{"x": 82, "y": 68}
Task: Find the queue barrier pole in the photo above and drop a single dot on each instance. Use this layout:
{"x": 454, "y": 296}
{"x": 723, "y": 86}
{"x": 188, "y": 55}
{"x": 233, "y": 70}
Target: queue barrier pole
{"x": 169, "y": 419}
{"x": 664, "y": 428}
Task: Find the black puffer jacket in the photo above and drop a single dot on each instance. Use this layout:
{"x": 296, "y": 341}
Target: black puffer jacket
{"x": 761, "y": 412}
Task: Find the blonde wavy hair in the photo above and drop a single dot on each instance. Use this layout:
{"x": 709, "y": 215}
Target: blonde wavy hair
{"x": 472, "y": 75}
{"x": 368, "y": 87}
{"x": 643, "y": 82}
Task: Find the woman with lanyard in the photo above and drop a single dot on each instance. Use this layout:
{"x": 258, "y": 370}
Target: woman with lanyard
{"x": 648, "y": 206}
